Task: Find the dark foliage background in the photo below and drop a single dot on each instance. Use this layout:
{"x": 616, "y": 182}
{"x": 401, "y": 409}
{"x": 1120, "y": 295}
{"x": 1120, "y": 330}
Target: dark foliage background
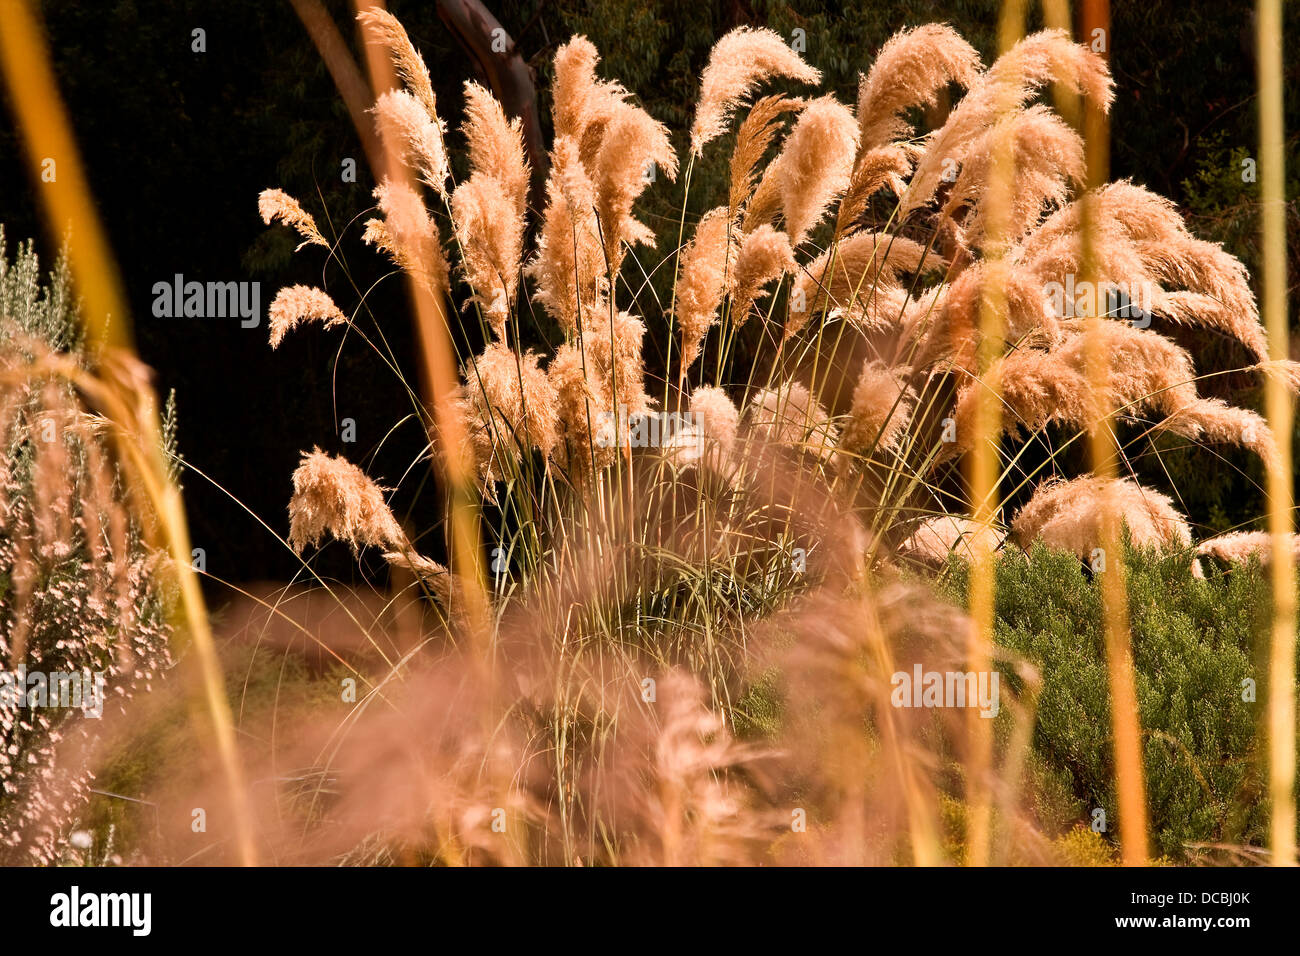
{"x": 178, "y": 144}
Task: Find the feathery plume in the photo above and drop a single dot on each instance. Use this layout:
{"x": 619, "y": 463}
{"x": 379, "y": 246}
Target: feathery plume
{"x": 408, "y": 234}
{"x": 705, "y": 275}
{"x": 301, "y": 303}
{"x": 1196, "y": 309}
{"x": 763, "y": 255}
{"x": 614, "y": 365}
{"x": 273, "y": 204}
{"x": 789, "y": 416}
{"x": 579, "y": 406}
{"x": 950, "y": 332}
{"x": 752, "y": 140}
{"x": 412, "y": 135}
{"x": 1045, "y": 57}
{"x": 512, "y": 405}
{"x": 407, "y": 62}
{"x": 333, "y": 496}
{"x": 1068, "y": 515}
{"x": 874, "y": 170}
{"x": 496, "y": 145}
{"x": 910, "y": 70}
{"x": 1285, "y": 369}
{"x": 1214, "y": 421}
{"x": 814, "y": 166}
{"x": 1147, "y": 372}
{"x": 921, "y": 342}
{"x": 1143, "y": 243}
{"x": 1173, "y": 253}
{"x": 738, "y": 63}
{"x": 1047, "y": 159}
{"x": 491, "y": 237}
{"x": 1238, "y": 547}
{"x": 882, "y": 406}
{"x": 569, "y": 267}
{"x": 939, "y": 537}
{"x": 599, "y": 385}
{"x": 435, "y": 576}
{"x": 581, "y": 100}
{"x": 633, "y": 144}
{"x": 717, "y": 416}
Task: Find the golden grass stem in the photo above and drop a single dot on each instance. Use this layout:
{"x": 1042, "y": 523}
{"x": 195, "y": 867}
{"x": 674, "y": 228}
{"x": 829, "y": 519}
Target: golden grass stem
{"x": 438, "y": 366}
{"x": 984, "y": 466}
{"x": 1281, "y": 698}
{"x": 1125, "y": 719}
{"x": 343, "y": 69}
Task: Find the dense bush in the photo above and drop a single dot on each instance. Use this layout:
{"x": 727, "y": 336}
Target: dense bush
{"x": 1195, "y": 642}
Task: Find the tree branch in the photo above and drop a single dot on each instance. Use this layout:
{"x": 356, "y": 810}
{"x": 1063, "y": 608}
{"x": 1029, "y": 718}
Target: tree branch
{"x": 483, "y": 37}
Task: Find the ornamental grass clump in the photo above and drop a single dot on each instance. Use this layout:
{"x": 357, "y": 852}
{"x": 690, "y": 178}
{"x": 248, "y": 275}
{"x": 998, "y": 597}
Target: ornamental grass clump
{"x": 688, "y": 547}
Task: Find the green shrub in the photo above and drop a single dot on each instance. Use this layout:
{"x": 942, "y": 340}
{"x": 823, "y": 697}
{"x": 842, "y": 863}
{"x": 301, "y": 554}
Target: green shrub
{"x": 1195, "y": 643}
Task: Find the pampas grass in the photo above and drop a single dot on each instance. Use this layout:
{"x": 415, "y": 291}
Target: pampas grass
{"x": 946, "y": 313}
{"x": 764, "y": 254}
{"x": 407, "y": 61}
{"x": 814, "y": 166}
{"x": 940, "y": 537}
{"x": 277, "y": 205}
{"x": 295, "y": 304}
{"x": 919, "y": 359}
{"x": 1046, "y": 57}
{"x": 1069, "y": 516}
{"x": 409, "y": 235}
{"x": 1239, "y": 547}
{"x": 883, "y": 403}
{"x": 569, "y": 266}
{"x": 415, "y": 136}
{"x": 738, "y": 63}
{"x": 910, "y": 71}
{"x": 333, "y": 496}
{"x": 704, "y": 280}
{"x": 512, "y": 408}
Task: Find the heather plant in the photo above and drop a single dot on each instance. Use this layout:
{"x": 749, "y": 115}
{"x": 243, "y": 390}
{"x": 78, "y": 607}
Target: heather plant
{"x": 79, "y": 596}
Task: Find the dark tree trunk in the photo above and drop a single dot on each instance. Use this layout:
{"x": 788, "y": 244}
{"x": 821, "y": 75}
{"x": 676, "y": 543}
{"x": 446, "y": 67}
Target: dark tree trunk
{"x": 352, "y": 86}
{"x": 509, "y": 75}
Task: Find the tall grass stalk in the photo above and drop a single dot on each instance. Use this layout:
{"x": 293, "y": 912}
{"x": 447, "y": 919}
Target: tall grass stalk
{"x": 1281, "y": 708}
{"x": 1125, "y": 720}
{"x": 438, "y": 364}
{"x": 984, "y": 464}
